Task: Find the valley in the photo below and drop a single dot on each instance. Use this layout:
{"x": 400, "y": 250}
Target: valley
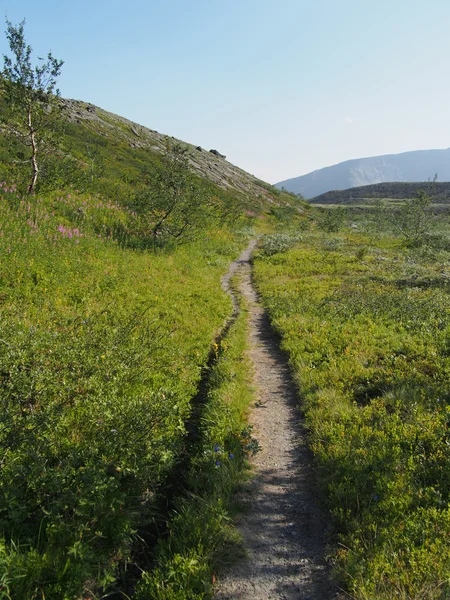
{"x": 211, "y": 387}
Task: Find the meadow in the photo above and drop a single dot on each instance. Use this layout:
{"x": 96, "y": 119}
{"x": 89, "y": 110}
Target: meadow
{"x": 364, "y": 314}
{"x": 102, "y": 347}
{"x": 123, "y": 432}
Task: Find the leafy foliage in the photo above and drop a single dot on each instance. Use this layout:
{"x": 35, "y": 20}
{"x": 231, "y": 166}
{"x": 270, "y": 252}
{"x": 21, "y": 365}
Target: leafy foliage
{"x": 367, "y": 334}
{"x": 331, "y": 220}
{"x": 176, "y": 205}
{"x": 101, "y": 349}
{"x": 30, "y": 95}
{"x": 277, "y": 243}
{"x": 414, "y": 219}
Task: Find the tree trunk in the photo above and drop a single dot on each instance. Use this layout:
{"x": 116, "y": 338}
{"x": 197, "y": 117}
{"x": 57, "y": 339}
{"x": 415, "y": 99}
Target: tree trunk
{"x": 33, "y": 159}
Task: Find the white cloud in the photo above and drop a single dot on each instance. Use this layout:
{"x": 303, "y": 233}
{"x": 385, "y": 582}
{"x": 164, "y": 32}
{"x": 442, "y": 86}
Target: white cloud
{"x": 350, "y": 120}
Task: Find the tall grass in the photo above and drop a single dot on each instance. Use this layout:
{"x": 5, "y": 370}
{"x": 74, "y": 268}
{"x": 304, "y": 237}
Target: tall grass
{"x": 202, "y": 539}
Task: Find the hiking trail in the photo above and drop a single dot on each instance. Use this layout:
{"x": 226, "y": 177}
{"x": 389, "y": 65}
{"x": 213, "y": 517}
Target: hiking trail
{"x": 284, "y": 528}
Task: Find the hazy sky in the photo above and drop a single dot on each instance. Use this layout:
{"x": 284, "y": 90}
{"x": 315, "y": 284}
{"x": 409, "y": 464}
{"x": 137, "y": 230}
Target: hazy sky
{"x": 282, "y": 87}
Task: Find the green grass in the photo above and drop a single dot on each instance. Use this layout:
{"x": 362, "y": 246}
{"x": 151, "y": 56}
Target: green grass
{"x": 366, "y": 323}
{"x": 102, "y": 346}
{"x": 202, "y": 539}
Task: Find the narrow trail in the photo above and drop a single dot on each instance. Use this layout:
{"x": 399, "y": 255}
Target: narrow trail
{"x": 283, "y": 529}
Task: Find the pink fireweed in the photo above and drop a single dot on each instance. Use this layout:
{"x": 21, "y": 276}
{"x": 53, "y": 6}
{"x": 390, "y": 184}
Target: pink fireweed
{"x": 68, "y": 232}
{"x": 5, "y": 189}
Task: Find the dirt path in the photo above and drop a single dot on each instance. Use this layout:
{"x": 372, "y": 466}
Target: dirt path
{"x": 284, "y": 528}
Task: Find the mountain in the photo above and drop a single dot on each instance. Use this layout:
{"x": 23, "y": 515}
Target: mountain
{"x": 419, "y": 165}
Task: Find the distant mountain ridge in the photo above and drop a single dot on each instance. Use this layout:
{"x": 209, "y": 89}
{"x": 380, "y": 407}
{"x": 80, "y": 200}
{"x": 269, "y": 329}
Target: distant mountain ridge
{"x": 414, "y": 166}
{"x": 439, "y": 192}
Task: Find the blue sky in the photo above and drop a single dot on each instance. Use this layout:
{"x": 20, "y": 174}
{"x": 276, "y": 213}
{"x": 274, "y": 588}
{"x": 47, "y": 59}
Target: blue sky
{"x": 281, "y": 87}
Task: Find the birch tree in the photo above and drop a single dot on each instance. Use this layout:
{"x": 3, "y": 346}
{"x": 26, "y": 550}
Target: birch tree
{"x": 176, "y": 205}
{"x": 31, "y": 96}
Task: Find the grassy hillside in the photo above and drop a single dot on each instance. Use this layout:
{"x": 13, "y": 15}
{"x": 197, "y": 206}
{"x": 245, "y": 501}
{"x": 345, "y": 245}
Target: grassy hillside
{"x": 99, "y": 152}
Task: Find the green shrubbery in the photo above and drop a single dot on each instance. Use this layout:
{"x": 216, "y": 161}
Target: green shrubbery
{"x": 331, "y": 220}
{"x": 278, "y": 243}
{"x": 31, "y": 98}
{"x": 201, "y": 536}
{"x": 368, "y": 338}
{"x": 101, "y": 349}
{"x": 177, "y": 205}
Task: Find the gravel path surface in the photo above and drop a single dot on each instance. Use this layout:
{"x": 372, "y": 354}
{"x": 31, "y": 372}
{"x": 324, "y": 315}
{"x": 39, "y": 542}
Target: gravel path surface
{"x": 284, "y": 527}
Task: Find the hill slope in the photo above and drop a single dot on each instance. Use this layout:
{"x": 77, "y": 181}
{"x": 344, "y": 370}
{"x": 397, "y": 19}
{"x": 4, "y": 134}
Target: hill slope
{"x": 211, "y": 166}
{"x": 438, "y": 191}
{"x": 419, "y": 165}
{"x": 104, "y": 153}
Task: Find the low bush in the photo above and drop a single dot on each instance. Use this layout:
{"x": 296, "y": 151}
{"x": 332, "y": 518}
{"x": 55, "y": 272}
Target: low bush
{"x": 101, "y": 350}
{"x": 276, "y": 243}
{"x": 368, "y": 341}
{"x": 331, "y": 220}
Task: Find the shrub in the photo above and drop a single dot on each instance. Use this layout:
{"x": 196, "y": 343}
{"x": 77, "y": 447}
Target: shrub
{"x": 331, "y": 220}
{"x": 278, "y": 243}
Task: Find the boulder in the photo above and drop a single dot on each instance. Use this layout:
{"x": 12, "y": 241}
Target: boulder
{"x": 217, "y": 153}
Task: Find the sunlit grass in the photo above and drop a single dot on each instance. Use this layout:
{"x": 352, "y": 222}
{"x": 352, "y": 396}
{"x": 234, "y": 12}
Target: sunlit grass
{"x": 368, "y": 338}
{"x": 101, "y": 349}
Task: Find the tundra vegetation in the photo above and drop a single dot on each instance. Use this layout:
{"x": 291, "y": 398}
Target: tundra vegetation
{"x": 116, "y": 465}
{"x": 101, "y": 352}
{"x": 364, "y": 313}
{"x": 123, "y": 430}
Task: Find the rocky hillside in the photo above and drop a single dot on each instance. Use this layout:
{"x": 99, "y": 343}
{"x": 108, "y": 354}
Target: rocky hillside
{"x": 209, "y": 164}
{"x": 101, "y": 152}
{"x": 420, "y": 165}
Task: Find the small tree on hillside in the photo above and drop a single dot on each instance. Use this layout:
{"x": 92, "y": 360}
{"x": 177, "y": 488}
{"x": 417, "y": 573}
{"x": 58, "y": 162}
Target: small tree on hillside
{"x": 31, "y": 96}
{"x": 331, "y": 220}
{"x": 176, "y": 204}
